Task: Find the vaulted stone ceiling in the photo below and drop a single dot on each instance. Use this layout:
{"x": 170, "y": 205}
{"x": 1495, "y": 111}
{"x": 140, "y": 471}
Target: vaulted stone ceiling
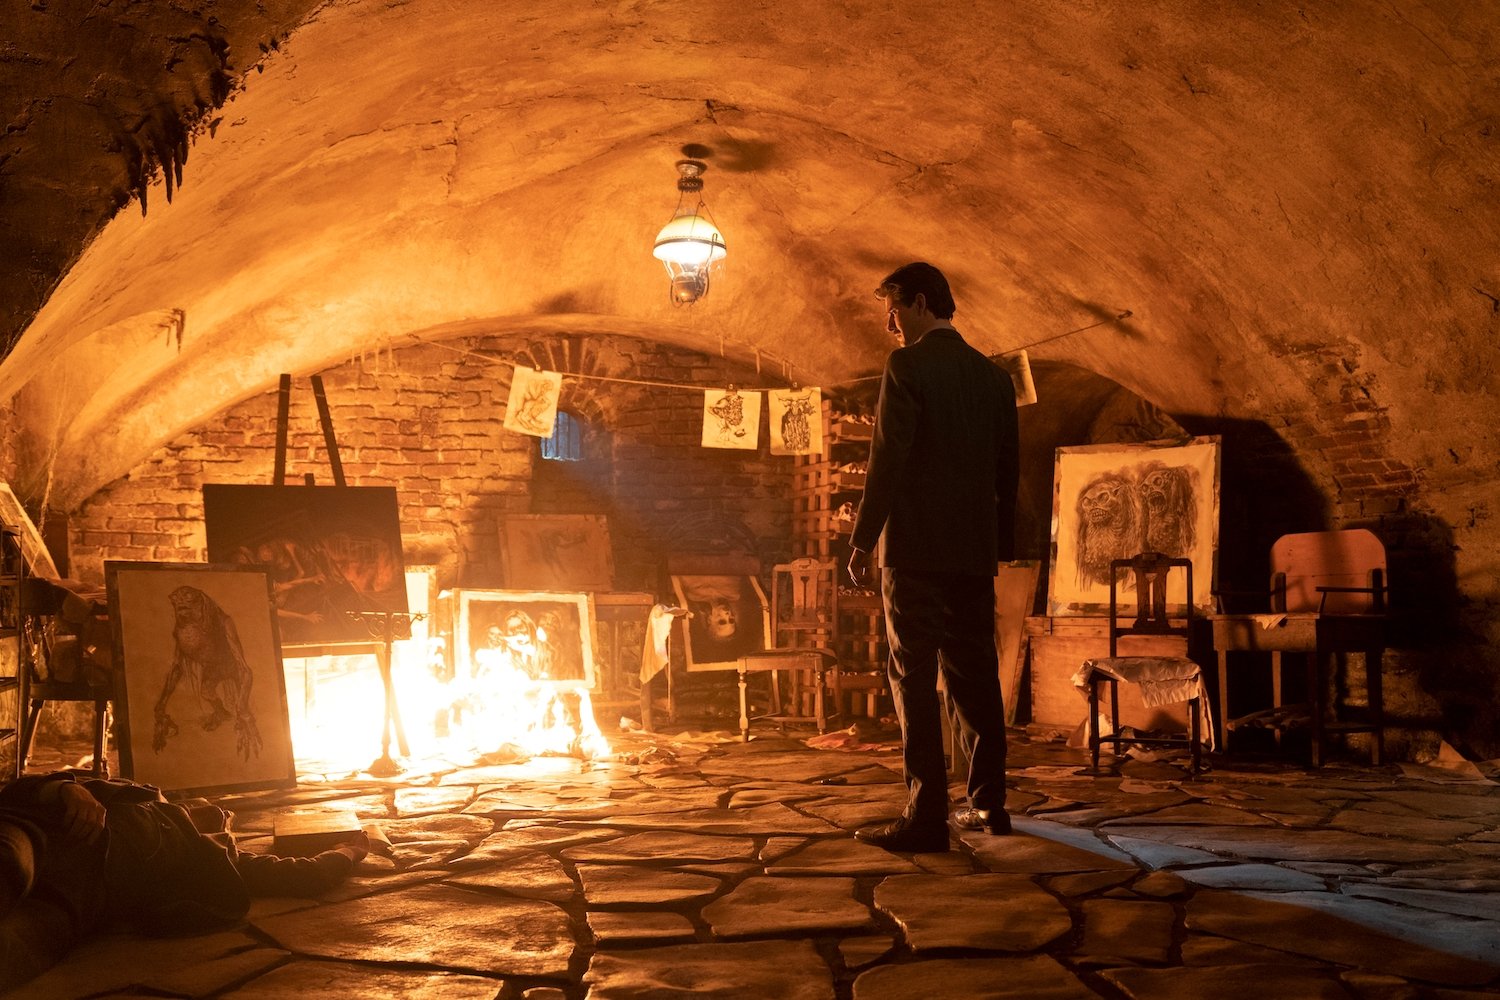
{"x": 1276, "y": 214}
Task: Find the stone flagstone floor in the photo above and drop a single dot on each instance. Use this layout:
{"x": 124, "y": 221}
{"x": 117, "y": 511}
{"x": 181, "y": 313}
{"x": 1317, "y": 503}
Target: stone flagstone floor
{"x": 694, "y": 865}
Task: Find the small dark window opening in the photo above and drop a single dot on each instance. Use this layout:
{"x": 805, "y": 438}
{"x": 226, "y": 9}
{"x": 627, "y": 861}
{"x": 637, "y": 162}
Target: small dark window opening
{"x": 566, "y": 442}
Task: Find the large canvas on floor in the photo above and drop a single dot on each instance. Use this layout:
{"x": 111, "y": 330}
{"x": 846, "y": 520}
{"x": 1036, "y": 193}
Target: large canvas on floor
{"x": 329, "y": 550}
{"x": 1112, "y": 501}
{"x": 202, "y": 701}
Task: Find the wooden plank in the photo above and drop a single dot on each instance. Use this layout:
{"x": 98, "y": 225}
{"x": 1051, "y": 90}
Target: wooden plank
{"x": 326, "y": 420}
{"x": 1015, "y": 593}
{"x": 33, "y": 548}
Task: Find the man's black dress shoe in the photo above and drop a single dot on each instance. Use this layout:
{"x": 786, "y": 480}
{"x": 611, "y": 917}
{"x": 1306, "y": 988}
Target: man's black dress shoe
{"x": 994, "y": 821}
{"x": 903, "y": 836}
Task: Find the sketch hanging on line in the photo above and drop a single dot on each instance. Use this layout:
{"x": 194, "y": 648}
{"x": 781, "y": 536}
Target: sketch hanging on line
{"x": 1017, "y": 364}
{"x": 203, "y": 700}
{"x": 532, "y": 407}
{"x": 731, "y": 419}
{"x": 796, "y": 422}
{"x": 1113, "y": 501}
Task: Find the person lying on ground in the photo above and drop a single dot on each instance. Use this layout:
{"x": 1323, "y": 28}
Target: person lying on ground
{"x": 79, "y": 853}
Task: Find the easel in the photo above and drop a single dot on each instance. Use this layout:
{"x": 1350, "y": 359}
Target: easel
{"x": 384, "y": 626}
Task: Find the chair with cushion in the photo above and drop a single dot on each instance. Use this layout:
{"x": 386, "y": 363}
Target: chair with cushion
{"x": 1160, "y": 679}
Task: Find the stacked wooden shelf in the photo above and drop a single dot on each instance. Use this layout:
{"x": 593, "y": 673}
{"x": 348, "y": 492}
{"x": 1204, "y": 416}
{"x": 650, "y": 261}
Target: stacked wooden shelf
{"x": 12, "y": 578}
{"x": 822, "y": 484}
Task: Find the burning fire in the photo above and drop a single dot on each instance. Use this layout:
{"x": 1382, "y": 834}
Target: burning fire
{"x": 479, "y": 711}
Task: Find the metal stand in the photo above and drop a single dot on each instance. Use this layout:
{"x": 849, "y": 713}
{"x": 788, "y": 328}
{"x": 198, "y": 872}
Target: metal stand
{"x": 388, "y": 626}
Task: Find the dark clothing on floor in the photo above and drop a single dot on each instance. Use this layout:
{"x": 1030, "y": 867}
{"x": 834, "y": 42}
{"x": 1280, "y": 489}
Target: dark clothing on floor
{"x": 151, "y": 870}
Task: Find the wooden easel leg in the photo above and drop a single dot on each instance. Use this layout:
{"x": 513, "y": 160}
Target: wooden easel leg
{"x": 283, "y": 411}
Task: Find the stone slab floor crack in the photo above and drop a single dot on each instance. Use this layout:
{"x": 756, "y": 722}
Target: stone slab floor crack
{"x": 690, "y": 864}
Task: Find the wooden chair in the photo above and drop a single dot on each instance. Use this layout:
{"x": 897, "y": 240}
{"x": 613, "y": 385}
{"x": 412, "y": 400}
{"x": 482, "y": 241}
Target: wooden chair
{"x": 1161, "y": 679}
{"x": 65, "y": 656}
{"x": 806, "y": 615}
{"x": 1328, "y": 599}
{"x": 1341, "y": 577}
{"x": 1329, "y": 572}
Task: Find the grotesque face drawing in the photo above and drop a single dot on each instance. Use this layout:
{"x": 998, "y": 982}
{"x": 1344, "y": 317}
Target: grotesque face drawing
{"x": 1107, "y": 525}
{"x": 517, "y": 632}
{"x": 189, "y": 605}
{"x": 722, "y": 619}
{"x": 1168, "y": 509}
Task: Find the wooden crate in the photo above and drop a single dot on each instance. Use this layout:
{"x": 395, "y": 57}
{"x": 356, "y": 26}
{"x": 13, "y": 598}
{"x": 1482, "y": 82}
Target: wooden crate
{"x": 1058, "y": 647}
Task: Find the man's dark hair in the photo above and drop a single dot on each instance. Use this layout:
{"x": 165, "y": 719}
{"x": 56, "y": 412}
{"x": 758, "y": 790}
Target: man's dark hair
{"x": 920, "y": 278}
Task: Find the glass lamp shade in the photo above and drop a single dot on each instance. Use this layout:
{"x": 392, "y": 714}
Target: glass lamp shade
{"x": 690, "y": 240}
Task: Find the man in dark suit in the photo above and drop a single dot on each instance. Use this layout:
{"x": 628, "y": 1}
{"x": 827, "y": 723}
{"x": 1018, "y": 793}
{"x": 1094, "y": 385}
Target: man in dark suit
{"x": 940, "y": 497}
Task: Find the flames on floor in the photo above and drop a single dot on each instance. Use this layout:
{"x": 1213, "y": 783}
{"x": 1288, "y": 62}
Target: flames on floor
{"x": 464, "y": 713}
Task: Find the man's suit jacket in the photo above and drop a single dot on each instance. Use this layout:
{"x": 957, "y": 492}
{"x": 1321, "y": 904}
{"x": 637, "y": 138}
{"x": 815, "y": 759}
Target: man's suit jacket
{"x": 940, "y": 493}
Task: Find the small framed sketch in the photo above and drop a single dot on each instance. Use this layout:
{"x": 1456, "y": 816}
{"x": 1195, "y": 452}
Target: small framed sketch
{"x": 201, "y": 700}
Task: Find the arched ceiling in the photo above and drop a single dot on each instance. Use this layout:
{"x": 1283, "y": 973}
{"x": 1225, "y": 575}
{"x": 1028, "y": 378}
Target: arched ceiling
{"x": 1295, "y": 205}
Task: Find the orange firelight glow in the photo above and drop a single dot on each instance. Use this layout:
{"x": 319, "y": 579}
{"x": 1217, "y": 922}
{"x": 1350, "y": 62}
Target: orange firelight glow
{"x": 338, "y": 707}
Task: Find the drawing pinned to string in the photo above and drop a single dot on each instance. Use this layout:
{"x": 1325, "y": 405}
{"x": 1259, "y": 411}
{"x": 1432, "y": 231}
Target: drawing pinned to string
{"x": 731, "y": 419}
{"x": 532, "y": 408}
{"x": 1017, "y": 364}
{"x": 796, "y": 421}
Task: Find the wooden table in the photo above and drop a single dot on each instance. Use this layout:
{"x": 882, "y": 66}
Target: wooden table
{"x": 1319, "y": 638}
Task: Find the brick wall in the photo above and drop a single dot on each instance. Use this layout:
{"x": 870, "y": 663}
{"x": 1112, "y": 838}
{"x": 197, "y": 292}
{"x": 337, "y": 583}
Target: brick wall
{"x": 427, "y": 420}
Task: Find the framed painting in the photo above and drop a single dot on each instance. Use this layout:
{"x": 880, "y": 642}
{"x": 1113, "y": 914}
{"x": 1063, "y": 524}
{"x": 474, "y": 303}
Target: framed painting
{"x": 727, "y": 618}
{"x": 557, "y": 552}
{"x": 328, "y": 550}
{"x": 201, "y": 705}
{"x": 530, "y": 636}
{"x": 1112, "y": 501}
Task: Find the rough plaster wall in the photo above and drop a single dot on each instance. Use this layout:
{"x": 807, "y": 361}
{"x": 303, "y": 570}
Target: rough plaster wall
{"x": 1295, "y": 205}
{"x": 428, "y": 421}
{"x": 98, "y": 99}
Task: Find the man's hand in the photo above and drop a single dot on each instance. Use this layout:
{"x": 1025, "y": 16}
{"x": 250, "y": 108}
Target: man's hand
{"x": 357, "y": 847}
{"x": 82, "y": 814}
{"x": 859, "y": 567}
